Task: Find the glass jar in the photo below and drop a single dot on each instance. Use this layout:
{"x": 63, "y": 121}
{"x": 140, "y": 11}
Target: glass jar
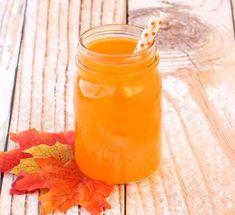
{"x": 117, "y": 106}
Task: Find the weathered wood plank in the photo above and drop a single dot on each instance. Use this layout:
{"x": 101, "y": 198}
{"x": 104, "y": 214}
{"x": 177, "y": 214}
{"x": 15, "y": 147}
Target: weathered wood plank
{"x": 44, "y": 88}
{"x": 197, "y": 54}
{"x": 11, "y": 24}
{"x": 24, "y": 203}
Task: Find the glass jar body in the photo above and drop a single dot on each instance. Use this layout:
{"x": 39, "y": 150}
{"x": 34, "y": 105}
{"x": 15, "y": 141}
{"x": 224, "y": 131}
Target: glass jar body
{"x": 117, "y": 118}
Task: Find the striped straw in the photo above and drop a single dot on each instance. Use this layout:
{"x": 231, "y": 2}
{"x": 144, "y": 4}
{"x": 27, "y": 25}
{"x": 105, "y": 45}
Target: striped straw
{"x": 150, "y": 31}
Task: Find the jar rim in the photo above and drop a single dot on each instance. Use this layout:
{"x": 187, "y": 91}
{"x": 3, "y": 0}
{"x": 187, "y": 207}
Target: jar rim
{"x": 110, "y": 28}
{"x": 125, "y": 64}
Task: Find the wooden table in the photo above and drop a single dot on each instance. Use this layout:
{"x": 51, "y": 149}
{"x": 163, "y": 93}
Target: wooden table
{"x": 37, "y": 48}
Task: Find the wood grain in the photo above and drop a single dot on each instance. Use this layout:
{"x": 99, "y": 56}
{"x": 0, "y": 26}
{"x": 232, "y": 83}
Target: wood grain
{"x": 44, "y": 86}
{"x": 11, "y": 24}
{"x": 197, "y": 53}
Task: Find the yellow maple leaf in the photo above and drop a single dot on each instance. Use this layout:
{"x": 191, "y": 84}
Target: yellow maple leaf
{"x": 59, "y": 151}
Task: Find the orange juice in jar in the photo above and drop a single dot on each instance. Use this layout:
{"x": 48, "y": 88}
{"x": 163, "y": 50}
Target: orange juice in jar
{"x": 117, "y": 106}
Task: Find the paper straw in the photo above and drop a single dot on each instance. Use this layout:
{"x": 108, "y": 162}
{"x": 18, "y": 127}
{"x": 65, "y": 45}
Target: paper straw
{"x": 150, "y": 31}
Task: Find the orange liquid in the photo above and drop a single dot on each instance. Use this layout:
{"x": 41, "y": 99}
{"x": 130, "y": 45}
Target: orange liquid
{"x": 117, "y": 117}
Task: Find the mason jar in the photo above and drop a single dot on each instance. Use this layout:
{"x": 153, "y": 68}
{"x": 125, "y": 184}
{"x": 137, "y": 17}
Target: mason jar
{"x": 117, "y": 102}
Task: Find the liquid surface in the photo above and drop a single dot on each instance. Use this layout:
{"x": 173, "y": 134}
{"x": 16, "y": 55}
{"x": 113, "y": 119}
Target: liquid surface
{"x": 117, "y": 118}
{"x": 113, "y": 46}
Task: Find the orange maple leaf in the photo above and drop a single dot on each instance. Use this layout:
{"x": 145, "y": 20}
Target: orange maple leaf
{"x": 66, "y": 185}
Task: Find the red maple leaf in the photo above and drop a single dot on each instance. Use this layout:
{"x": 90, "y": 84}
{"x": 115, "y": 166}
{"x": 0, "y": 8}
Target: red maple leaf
{"x": 27, "y": 139}
{"x": 12, "y": 158}
{"x": 66, "y": 185}
{"x": 33, "y": 137}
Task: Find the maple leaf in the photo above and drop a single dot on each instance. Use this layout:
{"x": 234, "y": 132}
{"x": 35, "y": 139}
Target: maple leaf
{"x": 66, "y": 185}
{"x": 27, "y": 139}
{"x": 59, "y": 151}
{"x": 33, "y": 137}
{"x": 12, "y": 158}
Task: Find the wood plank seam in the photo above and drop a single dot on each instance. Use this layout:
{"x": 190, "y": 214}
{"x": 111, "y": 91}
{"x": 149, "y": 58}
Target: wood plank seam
{"x": 33, "y": 67}
{"x": 115, "y": 10}
{"x": 127, "y": 12}
{"x": 233, "y": 16}
{"x": 101, "y": 12}
{"x": 56, "y": 66}
{"x": 80, "y": 19}
{"x": 66, "y": 69}
{"x": 44, "y": 65}
{"x": 91, "y": 15}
